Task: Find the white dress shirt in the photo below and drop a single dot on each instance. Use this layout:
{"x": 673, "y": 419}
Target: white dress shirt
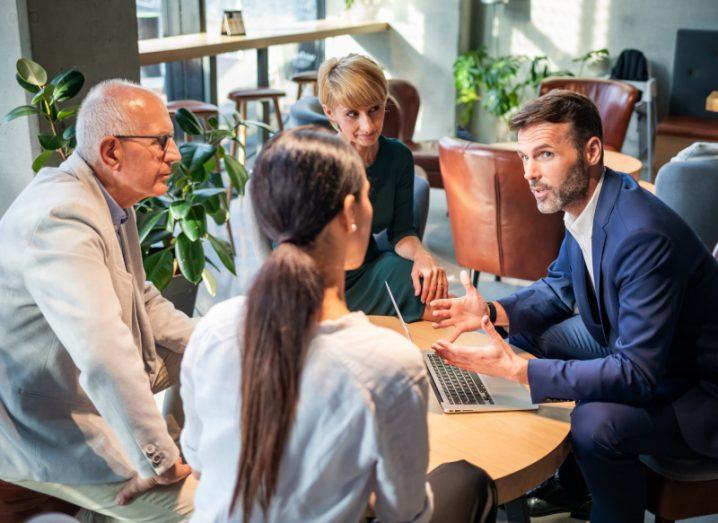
{"x": 360, "y": 424}
{"x": 581, "y": 229}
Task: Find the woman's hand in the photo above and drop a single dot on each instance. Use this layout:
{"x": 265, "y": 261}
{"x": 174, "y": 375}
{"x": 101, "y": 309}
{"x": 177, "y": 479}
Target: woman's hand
{"x": 429, "y": 279}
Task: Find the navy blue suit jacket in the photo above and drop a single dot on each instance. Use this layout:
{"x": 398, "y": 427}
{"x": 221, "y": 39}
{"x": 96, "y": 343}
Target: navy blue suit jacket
{"x": 655, "y": 306}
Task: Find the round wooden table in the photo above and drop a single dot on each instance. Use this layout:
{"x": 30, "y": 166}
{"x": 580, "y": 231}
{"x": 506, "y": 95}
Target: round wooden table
{"x": 617, "y": 161}
{"x": 518, "y": 450}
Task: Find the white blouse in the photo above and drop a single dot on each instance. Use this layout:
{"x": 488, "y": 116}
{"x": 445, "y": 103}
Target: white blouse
{"x": 360, "y": 424}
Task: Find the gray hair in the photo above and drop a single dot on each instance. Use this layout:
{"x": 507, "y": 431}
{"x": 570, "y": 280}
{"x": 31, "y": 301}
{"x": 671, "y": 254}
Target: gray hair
{"x": 102, "y": 114}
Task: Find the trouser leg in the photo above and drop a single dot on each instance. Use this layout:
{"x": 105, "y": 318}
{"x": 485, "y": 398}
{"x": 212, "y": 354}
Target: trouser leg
{"x": 607, "y": 440}
{"x": 567, "y": 340}
{"x": 161, "y": 504}
{"x": 168, "y": 380}
{"x": 463, "y": 493}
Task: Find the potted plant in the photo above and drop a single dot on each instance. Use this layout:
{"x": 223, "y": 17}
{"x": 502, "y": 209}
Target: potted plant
{"x": 173, "y": 228}
{"x": 501, "y": 83}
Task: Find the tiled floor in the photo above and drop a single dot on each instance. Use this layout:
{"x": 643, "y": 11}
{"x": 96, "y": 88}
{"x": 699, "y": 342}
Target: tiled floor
{"x": 437, "y": 239}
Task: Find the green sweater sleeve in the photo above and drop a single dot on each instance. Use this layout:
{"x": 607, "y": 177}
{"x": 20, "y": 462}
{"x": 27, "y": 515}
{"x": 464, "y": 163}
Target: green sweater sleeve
{"x": 402, "y": 224}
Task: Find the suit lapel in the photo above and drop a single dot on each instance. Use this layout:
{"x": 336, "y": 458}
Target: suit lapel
{"x": 604, "y": 208}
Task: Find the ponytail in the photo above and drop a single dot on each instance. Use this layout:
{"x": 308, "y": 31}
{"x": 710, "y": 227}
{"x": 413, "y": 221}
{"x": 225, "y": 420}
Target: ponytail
{"x": 283, "y": 307}
{"x": 299, "y": 184}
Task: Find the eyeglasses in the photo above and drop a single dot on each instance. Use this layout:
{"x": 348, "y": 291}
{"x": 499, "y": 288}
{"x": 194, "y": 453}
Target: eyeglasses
{"x": 162, "y": 139}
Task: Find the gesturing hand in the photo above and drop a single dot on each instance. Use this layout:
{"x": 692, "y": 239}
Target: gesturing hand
{"x": 494, "y": 359}
{"x": 137, "y": 485}
{"x": 429, "y": 278}
{"x": 463, "y": 314}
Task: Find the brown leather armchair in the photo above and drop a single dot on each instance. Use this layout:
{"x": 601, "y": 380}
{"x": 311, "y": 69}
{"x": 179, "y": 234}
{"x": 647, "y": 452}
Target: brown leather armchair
{"x": 426, "y": 153}
{"x": 494, "y": 220}
{"x": 615, "y": 101}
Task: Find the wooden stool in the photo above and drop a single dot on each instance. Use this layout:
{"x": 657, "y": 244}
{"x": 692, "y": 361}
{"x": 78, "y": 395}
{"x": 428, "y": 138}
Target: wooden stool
{"x": 17, "y": 504}
{"x": 303, "y": 79}
{"x": 202, "y": 110}
{"x": 253, "y": 94}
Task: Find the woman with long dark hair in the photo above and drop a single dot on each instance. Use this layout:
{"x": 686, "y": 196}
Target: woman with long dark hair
{"x": 297, "y": 409}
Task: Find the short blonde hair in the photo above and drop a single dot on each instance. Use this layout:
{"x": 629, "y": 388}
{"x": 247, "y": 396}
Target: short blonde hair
{"x": 352, "y": 80}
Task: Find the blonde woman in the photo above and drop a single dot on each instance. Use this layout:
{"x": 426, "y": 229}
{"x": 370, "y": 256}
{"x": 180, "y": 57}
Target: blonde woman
{"x": 353, "y": 93}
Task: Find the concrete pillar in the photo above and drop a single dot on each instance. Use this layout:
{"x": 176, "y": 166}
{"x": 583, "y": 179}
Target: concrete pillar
{"x": 97, "y": 38}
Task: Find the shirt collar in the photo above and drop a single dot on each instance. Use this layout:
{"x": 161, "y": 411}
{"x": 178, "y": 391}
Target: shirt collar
{"x": 582, "y": 226}
{"x": 118, "y": 215}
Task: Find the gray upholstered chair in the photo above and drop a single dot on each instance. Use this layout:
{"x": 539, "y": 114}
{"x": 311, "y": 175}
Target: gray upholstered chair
{"x": 691, "y": 189}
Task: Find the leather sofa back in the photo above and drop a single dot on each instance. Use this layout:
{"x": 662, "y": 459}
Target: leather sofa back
{"x": 494, "y": 220}
{"x": 615, "y": 101}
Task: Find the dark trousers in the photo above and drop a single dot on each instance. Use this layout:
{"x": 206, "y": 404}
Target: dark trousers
{"x": 463, "y": 493}
{"x": 607, "y": 438}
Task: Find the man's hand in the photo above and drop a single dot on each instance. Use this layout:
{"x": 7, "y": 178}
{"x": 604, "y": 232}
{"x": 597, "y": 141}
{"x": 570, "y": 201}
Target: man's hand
{"x": 463, "y": 314}
{"x": 494, "y": 359}
{"x": 137, "y": 485}
{"x": 429, "y": 279}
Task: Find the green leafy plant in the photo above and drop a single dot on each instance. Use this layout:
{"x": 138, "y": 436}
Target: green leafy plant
{"x": 48, "y": 102}
{"x": 500, "y": 84}
{"x": 173, "y": 228}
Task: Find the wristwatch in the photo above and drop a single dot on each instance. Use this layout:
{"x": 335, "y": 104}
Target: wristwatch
{"x": 492, "y": 311}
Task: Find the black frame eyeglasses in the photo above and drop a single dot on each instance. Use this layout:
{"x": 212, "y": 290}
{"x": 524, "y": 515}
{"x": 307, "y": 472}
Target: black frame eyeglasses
{"x": 162, "y": 139}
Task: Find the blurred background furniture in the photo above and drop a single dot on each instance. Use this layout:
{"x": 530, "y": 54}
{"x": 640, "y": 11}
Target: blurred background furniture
{"x": 615, "y": 102}
{"x": 17, "y": 504}
{"x": 305, "y": 79}
{"x": 426, "y": 153}
{"x": 695, "y": 76}
{"x": 241, "y": 97}
{"x": 691, "y": 189}
{"x": 495, "y": 224}
{"x": 202, "y": 110}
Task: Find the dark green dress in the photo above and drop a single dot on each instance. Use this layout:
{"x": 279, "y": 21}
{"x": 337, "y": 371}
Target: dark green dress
{"x": 392, "y": 195}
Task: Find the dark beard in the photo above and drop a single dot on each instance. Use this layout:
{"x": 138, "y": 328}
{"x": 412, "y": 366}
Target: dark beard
{"x": 575, "y": 187}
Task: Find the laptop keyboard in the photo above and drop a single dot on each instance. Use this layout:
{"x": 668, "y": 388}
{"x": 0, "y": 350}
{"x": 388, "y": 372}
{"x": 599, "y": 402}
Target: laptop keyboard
{"x": 462, "y": 387}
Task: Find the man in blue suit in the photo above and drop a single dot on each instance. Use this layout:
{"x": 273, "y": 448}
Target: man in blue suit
{"x": 641, "y": 357}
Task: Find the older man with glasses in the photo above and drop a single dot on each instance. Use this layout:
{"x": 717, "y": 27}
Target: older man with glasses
{"x": 85, "y": 341}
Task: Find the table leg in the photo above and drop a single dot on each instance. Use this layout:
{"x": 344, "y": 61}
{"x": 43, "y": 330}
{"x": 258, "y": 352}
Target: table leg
{"x": 517, "y": 511}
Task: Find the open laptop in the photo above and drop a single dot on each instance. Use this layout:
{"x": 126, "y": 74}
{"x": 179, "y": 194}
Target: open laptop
{"x": 459, "y": 390}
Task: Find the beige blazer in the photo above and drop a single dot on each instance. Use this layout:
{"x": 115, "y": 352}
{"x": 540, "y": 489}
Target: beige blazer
{"x": 75, "y": 366}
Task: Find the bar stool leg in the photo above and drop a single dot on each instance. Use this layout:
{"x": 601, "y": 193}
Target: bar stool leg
{"x": 299, "y": 90}
{"x": 278, "y": 112}
{"x": 242, "y": 151}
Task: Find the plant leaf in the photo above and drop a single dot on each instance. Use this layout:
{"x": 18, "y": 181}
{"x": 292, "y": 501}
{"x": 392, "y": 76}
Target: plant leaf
{"x": 69, "y": 133}
{"x": 23, "y": 110}
{"x": 148, "y": 221}
{"x": 210, "y": 282}
{"x": 195, "y": 154}
{"x": 190, "y": 257}
{"x": 200, "y": 195}
{"x": 26, "y": 85}
{"x": 238, "y": 175}
{"x": 50, "y": 142}
{"x": 68, "y": 112}
{"x": 67, "y": 85}
{"x": 194, "y": 224}
{"x": 179, "y": 209}
{"x": 188, "y": 122}
{"x": 33, "y": 73}
{"x": 256, "y": 123}
{"x": 159, "y": 268}
{"x": 41, "y": 160}
{"x": 224, "y": 251}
